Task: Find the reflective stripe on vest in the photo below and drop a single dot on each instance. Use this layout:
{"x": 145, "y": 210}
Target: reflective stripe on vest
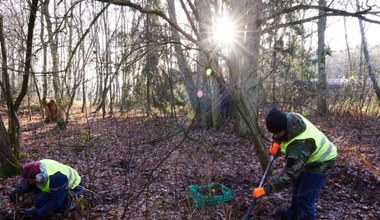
{"x": 325, "y": 149}
{"x": 51, "y": 167}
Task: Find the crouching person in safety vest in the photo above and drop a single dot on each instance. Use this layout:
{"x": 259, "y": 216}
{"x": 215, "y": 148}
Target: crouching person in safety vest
{"x": 309, "y": 156}
{"x": 53, "y": 184}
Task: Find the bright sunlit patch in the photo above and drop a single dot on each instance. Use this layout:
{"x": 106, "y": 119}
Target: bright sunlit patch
{"x": 224, "y": 31}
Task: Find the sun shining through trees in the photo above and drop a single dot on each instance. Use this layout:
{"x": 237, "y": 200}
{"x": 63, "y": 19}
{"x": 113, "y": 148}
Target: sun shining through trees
{"x": 224, "y": 32}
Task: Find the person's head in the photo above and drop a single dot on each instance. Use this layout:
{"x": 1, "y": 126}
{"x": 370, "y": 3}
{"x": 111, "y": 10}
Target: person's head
{"x": 276, "y": 123}
{"x": 30, "y": 170}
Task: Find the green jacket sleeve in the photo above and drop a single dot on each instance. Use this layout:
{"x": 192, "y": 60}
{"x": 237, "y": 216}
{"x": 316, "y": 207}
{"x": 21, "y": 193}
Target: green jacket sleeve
{"x": 296, "y": 156}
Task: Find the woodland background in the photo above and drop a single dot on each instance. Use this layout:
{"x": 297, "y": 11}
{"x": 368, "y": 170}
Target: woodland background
{"x": 142, "y": 90}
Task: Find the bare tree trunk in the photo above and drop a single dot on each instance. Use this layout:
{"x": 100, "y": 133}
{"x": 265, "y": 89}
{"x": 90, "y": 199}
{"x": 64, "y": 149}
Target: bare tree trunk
{"x": 106, "y": 77}
{"x": 112, "y": 98}
{"x": 322, "y": 87}
{"x": 216, "y": 102}
{"x": 44, "y": 67}
{"x": 184, "y": 67}
{"x": 28, "y": 55}
{"x": 39, "y": 96}
{"x": 277, "y": 45}
{"x": 245, "y": 90}
{"x": 148, "y": 64}
{"x": 367, "y": 60}
{"x": 126, "y": 73}
{"x": 14, "y": 129}
{"x": 84, "y": 97}
{"x": 11, "y": 145}
{"x": 9, "y": 142}
{"x": 248, "y": 65}
{"x": 250, "y": 75}
{"x": 8, "y": 160}
{"x": 350, "y": 69}
{"x": 107, "y": 64}
{"x": 99, "y": 72}
{"x": 203, "y": 80}
{"x": 53, "y": 41}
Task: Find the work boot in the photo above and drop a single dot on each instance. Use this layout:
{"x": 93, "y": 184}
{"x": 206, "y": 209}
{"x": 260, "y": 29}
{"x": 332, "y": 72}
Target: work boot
{"x": 281, "y": 214}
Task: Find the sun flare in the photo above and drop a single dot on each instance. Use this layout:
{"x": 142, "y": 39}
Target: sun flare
{"x": 224, "y": 32}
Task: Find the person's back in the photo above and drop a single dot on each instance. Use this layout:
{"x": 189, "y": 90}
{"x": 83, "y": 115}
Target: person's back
{"x": 51, "y": 180}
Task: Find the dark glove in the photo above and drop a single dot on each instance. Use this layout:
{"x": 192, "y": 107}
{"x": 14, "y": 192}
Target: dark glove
{"x": 30, "y": 212}
{"x": 14, "y": 196}
{"x": 16, "y": 193}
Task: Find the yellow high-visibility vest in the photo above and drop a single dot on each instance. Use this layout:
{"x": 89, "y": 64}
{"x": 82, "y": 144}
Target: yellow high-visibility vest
{"x": 325, "y": 149}
{"x": 50, "y": 167}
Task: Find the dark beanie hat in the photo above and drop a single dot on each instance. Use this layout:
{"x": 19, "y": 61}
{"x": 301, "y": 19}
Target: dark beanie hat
{"x": 276, "y": 121}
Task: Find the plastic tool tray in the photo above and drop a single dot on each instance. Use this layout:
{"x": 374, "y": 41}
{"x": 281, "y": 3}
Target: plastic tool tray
{"x": 213, "y": 193}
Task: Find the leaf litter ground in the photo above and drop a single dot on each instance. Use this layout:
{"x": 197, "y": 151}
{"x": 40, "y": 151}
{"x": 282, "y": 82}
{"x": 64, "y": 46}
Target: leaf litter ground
{"x": 140, "y": 168}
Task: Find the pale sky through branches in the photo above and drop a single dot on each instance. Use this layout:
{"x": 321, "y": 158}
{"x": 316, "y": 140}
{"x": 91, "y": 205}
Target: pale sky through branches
{"x": 335, "y": 33}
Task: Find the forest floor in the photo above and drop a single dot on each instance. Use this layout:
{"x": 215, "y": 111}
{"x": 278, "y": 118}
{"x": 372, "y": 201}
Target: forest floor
{"x": 136, "y": 167}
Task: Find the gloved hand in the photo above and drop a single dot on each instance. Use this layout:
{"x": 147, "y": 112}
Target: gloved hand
{"x": 14, "y": 196}
{"x": 258, "y": 192}
{"x": 30, "y": 213}
{"x": 274, "y": 149}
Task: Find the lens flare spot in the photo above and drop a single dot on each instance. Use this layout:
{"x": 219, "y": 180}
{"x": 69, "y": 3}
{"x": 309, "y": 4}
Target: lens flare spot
{"x": 208, "y": 71}
{"x": 200, "y": 93}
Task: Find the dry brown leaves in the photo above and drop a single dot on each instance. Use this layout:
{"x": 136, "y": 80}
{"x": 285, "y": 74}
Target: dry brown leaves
{"x": 140, "y": 168}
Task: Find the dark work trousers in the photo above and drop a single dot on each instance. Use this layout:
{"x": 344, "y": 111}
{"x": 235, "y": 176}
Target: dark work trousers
{"x": 57, "y": 199}
{"x": 305, "y": 193}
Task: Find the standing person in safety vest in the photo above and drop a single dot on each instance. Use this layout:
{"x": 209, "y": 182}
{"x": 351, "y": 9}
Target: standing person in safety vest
{"x": 51, "y": 181}
{"x": 309, "y": 156}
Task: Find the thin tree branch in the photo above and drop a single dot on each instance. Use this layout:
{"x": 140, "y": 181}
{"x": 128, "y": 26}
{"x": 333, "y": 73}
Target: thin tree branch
{"x": 155, "y": 12}
{"x": 28, "y": 54}
{"x": 328, "y": 12}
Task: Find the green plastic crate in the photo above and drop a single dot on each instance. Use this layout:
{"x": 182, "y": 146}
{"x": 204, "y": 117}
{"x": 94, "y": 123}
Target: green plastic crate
{"x": 200, "y": 200}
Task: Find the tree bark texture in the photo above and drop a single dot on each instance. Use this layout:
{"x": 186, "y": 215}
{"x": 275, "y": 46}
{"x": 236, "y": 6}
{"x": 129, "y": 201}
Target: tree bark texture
{"x": 9, "y": 141}
{"x": 185, "y": 70}
{"x": 322, "y": 83}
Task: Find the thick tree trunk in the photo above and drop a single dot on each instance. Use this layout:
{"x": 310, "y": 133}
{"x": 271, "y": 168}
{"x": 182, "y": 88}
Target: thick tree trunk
{"x": 204, "y": 84}
{"x": 245, "y": 93}
{"x": 14, "y": 129}
{"x": 8, "y": 160}
{"x": 216, "y": 102}
{"x": 9, "y": 141}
